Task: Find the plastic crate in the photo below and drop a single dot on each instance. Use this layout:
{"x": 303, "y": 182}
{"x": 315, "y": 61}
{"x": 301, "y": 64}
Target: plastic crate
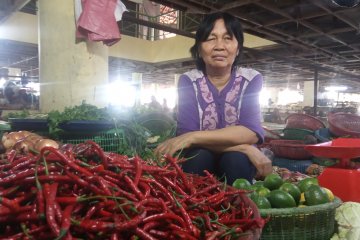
{"x": 111, "y": 141}
{"x": 292, "y": 165}
{"x": 300, "y": 223}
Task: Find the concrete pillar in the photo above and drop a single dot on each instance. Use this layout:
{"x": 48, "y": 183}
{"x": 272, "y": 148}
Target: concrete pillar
{"x": 309, "y": 93}
{"x": 70, "y": 72}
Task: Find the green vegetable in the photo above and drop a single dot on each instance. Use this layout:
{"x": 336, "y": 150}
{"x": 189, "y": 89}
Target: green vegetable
{"x": 81, "y": 112}
{"x": 348, "y": 220}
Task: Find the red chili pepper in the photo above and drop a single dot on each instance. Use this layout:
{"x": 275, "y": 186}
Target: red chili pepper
{"x": 138, "y": 169}
{"x": 84, "y": 183}
{"x": 58, "y": 212}
{"x": 11, "y": 204}
{"x": 163, "y": 190}
{"x": 216, "y": 198}
{"x": 183, "y": 235}
{"x": 97, "y": 226}
{"x": 151, "y": 225}
{"x": 97, "y": 168}
{"x": 152, "y": 201}
{"x": 144, "y": 235}
{"x": 101, "y": 182}
{"x": 62, "y": 157}
{"x": 48, "y": 178}
{"x": 8, "y": 191}
{"x": 146, "y": 189}
{"x": 159, "y": 233}
{"x": 50, "y": 195}
{"x": 22, "y": 164}
{"x": 91, "y": 211}
{"x": 114, "y": 236}
{"x": 189, "y": 225}
{"x": 31, "y": 232}
{"x": 181, "y": 174}
{"x": 166, "y": 216}
{"x": 66, "y": 221}
{"x": 20, "y": 175}
{"x": 134, "y": 188}
{"x": 11, "y": 155}
{"x": 40, "y": 202}
{"x": 7, "y": 211}
{"x": 176, "y": 187}
{"x": 99, "y": 150}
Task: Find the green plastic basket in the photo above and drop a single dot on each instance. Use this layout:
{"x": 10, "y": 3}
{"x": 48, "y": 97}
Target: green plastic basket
{"x": 300, "y": 223}
{"x": 296, "y": 133}
{"x": 111, "y": 141}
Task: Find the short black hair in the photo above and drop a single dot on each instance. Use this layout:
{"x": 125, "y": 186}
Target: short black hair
{"x": 233, "y": 26}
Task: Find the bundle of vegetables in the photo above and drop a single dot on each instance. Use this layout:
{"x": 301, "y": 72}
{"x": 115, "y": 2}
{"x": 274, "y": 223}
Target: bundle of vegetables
{"x": 78, "y": 191}
{"x": 84, "y": 111}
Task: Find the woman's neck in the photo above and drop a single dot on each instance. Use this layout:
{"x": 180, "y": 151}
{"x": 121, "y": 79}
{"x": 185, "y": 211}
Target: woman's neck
{"x": 219, "y": 80}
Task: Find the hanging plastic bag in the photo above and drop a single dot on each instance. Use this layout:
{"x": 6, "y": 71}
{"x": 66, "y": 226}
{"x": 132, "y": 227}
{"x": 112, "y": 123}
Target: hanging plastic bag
{"x": 97, "y": 20}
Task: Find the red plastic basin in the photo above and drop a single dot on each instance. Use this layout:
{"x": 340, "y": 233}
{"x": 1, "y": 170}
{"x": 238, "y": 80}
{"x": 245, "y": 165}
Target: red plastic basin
{"x": 344, "y": 183}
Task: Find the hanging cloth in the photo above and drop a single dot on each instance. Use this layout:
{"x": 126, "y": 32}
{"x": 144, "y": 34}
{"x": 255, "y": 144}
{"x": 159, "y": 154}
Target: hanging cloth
{"x": 96, "y": 20}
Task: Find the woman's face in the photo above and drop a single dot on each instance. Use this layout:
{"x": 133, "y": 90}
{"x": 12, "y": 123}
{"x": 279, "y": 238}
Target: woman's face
{"x": 220, "y": 49}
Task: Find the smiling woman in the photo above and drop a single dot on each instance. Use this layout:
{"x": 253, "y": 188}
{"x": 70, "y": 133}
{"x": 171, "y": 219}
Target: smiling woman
{"x": 218, "y": 117}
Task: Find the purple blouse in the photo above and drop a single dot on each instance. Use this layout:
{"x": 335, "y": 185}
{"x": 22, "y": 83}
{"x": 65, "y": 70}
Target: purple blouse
{"x": 202, "y": 107}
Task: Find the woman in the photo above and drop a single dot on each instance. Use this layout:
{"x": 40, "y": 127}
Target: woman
{"x": 218, "y": 118}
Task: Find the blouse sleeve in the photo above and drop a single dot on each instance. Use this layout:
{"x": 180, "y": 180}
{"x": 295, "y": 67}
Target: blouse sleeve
{"x": 250, "y": 112}
{"x": 188, "y": 112}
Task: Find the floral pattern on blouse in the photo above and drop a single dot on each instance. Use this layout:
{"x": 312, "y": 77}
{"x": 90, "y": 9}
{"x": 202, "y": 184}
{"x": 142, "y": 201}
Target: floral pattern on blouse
{"x": 210, "y": 116}
{"x": 205, "y": 91}
{"x": 230, "y": 115}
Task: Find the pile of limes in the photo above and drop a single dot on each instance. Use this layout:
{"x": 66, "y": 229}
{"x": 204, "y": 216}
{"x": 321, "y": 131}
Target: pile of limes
{"x": 274, "y": 192}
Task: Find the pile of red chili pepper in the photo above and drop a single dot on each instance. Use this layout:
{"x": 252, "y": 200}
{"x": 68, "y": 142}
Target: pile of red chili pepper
{"x": 81, "y": 192}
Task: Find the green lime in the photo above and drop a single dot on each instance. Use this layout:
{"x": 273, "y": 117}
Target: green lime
{"x": 315, "y": 195}
{"x": 273, "y": 181}
{"x": 281, "y": 199}
{"x": 262, "y": 202}
{"x": 252, "y": 195}
{"x": 258, "y": 183}
{"x": 262, "y": 191}
{"x": 241, "y": 183}
{"x": 306, "y": 183}
{"x": 293, "y": 190}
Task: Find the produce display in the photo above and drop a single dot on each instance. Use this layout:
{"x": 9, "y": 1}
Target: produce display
{"x": 81, "y": 192}
{"x": 275, "y": 192}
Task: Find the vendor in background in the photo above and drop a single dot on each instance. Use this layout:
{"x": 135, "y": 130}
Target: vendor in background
{"x": 218, "y": 118}
{"x": 154, "y": 104}
{"x": 165, "y": 107}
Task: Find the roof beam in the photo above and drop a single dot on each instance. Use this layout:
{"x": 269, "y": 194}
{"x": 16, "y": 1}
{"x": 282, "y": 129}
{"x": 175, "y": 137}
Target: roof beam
{"x": 16, "y": 6}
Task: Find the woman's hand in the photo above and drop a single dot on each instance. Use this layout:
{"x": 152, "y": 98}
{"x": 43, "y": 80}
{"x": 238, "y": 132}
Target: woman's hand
{"x": 262, "y": 163}
{"x": 172, "y": 145}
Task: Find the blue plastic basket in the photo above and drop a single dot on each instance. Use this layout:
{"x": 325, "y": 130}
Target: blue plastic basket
{"x": 323, "y": 135}
{"x": 292, "y": 165}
